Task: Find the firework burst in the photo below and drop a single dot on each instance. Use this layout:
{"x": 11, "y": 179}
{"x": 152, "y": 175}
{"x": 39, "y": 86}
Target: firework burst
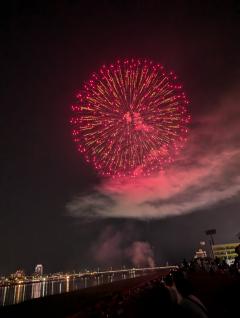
{"x": 130, "y": 118}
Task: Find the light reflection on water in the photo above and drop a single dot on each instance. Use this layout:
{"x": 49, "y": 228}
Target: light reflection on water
{"x": 15, "y": 294}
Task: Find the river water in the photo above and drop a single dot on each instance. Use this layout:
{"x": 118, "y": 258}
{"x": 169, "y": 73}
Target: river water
{"x": 15, "y": 294}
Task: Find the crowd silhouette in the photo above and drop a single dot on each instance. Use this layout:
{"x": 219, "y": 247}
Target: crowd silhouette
{"x": 169, "y": 296}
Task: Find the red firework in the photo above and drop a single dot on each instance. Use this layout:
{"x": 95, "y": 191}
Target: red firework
{"x": 130, "y": 118}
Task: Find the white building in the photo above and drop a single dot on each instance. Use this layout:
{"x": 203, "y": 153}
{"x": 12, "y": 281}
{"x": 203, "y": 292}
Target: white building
{"x": 225, "y": 251}
{"x": 200, "y": 254}
{"x": 39, "y": 270}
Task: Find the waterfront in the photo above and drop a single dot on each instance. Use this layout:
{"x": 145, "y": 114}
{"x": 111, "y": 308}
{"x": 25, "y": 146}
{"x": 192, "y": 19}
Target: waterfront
{"x": 52, "y": 285}
{"x": 17, "y": 293}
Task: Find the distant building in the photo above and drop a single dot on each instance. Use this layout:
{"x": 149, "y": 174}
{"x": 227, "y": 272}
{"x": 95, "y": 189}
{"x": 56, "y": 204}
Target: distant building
{"x": 39, "y": 270}
{"x": 225, "y": 251}
{"x": 20, "y": 274}
{"x": 200, "y": 253}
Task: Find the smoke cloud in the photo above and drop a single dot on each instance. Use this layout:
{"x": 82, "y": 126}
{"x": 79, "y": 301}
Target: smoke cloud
{"x": 206, "y": 172}
{"x": 112, "y": 248}
{"x": 108, "y": 249}
{"x": 141, "y": 254}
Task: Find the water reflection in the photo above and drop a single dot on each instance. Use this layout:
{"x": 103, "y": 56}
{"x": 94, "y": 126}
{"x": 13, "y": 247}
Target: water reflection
{"x": 4, "y": 295}
{"x": 67, "y": 286}
{"x": 52, "y": 288}
{"x": 36, "y": 290}
{"x": 17, "y": 293}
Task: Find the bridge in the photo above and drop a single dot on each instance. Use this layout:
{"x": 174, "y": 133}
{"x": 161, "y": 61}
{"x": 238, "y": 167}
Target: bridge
{"x": 130, "y": 271}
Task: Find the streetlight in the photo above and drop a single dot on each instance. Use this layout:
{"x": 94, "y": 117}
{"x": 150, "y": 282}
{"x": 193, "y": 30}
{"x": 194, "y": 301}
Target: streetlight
{"x": 211, "y": 232}
{"x": 238, "y": 235}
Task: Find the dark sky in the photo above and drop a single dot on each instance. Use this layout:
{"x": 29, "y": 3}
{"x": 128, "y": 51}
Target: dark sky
{"x": 47, "y": 51}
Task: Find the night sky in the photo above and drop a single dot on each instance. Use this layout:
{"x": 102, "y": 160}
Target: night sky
{"x": 47, "y": 52}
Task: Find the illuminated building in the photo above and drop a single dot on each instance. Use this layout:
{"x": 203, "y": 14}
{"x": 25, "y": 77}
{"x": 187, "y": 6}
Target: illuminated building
{"x": 225, "y": 251}
{"x": 19, "y": 274}
{"x": 200, "y": 253}
{"x": 39, "y": 270}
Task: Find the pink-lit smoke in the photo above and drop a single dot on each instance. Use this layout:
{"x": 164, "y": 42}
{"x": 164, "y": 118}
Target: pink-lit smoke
{"x": 141, "y": 254}
{"x": 206, "y": 172}
{"x": 111, "y": 247}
